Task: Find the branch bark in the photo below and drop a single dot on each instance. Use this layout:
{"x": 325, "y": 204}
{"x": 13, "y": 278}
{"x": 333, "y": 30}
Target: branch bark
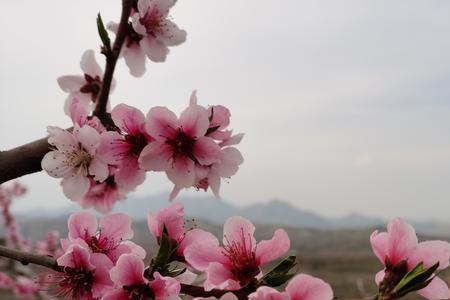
{"x": 22, "y": 160}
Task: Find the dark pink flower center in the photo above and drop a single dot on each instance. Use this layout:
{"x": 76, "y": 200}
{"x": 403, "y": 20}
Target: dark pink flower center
{"x": 242, "y": 259}
{"x": 139, "y": 292}
{"x": 137, "y": 142}
{"x": 75, "y": 284}
{"x": 92, "y": 86}
{"x": 100, "y": 244}
{"x": 183, "y": 144}
{"x": 152, "y": 21}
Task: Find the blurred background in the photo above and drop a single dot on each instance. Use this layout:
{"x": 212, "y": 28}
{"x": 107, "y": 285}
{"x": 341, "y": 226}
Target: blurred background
{"x": 345, "y": 106}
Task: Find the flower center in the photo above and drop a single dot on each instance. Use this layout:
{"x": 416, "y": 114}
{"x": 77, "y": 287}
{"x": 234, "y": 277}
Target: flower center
{"x": 137, "y": 143}
{"x": 183, "y": 144}
{"x": 92, "y": 86}
{"x": 76, "y": 284}
{"x": 152, "y": 22}
{"x": 78, "y": 158}
{"x": 139, "y": 292}
{"x": 242, "y": 258}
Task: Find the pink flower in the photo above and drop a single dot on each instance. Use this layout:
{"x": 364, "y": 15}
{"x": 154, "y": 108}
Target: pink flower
{"x": 399, "y": 251}
{"x": 110, "y": 236}
{"x": 123, "y": 149}
{"x": 74, "y": 159}
{"x": 239, "y": 260}
{"x": 128, "y": 276}
{"x": 227, "y": 296}
{"x": 5, "y": 281}
{"x": 172, "y": 218}
{"x": 84, "y": 275}
{"x": 212, "y": 175}
{"x": 80, "y": 116}
{"x": 103, "y": 195}
{"x": 180, "y": 144}
{"x": 301, "y": 287}
{"x": 151, "y": 34}
{"x": 26, "y": 288}
{"x": 85, "y": 87}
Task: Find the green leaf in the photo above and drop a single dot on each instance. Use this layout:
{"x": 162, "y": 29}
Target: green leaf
{"x": 106, "y": 47}
{"x": 280, "y": 273}
{"x": 165, "y": 252}
{"x": 416, "y": 279}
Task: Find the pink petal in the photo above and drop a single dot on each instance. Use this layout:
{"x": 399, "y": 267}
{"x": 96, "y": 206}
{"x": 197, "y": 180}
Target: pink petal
{"x": 116, "y": 227}
{"x": 128, "y": 119}
{"x": 82, "y": 225}
{"x": 76, "y": 257}
{"x": 129, "y": 270}
{"x": 155, "y": 49}
{"x": 437, "y": 289}
{"x": 193, "y": 98}
{"x": 129, "y": 176}
{"x": 162, "y": 124}
{"x": 182, "y": 173}
{"x": 270, "y": 250}
{"x": 54, "y": 164}
{"x": 195, "y": 236}
{"x": 88, "y": 137}
{"x": 172, "y": 34}
{"x": 135, "y": 59}
{"x": 78, "y": 112}
{"x": 220, "y": 116}
{"x": 233, "y": 140}
{"x": 112, "y": 147}
{"x": 89, "y": 65}
{"x": 172, "y": 218}
{"x": 164, "y": 287}
{"x": 102, "y": 281}
{"x": 98, "y": 169}
{"x": 380, "y": 245}
{"x": 306, "y": 287}
{"x": 379, "y": 277}
{"x": 236, "y": 229}
{"x": 268, "y": 293}
{"x": 174, "y": 193}
{"x": 402, "y": 240}
{"x": 62, "y": 139}
{"x": 206, "y": 151}
{"x": 431, "y": 252}
{"x": 194, "y": 121}
{"x": 118, "y": 294}
{"x": 156, "y": 156}
{"x": 71, "y": 83}
{"x": 220, "y": 277}
{"x": 75, "y": 187}
{"x": 229, "y": 165}
{"x": 200, "y": 254}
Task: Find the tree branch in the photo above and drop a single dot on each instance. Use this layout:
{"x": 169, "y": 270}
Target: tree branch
{"x": 29, "y": 258}
{"x": 22, "y": 160}
{"x": 111, "y": 60}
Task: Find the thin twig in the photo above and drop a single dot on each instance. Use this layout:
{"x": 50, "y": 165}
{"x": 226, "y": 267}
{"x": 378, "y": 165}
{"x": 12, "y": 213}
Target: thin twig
{"x": 111, "y": 60}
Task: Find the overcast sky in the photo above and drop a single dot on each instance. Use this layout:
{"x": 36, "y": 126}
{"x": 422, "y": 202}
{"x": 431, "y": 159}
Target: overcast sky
{"x": 345, "y": 104}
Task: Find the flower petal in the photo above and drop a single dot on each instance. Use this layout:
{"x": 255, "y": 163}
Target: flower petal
{"x": 135, "y": 59}
{"x": 155, "y": 49}
{"x": 306, "y": 287}
{"x": 89, "y": 65}
{"x": 156, "y": 156}
{"x": 129, "y": 119}
{"x": 129, "y": 270}
{"x": 194, "y": 121}
{"x": 206, "y": 151}
{"x": 82, "y": 225}
{"x": 71, "y": 83}
{"x": 116, "y": 227}
{"x": 238, "y": 229}
{"x": 437, "y": 289}
{"x": 270, "y": 250}
{"x": 161, "y": 123}
{"x": 75, "y": 186}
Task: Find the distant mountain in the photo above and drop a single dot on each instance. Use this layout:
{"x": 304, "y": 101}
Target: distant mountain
{"x": 274, "y": 212}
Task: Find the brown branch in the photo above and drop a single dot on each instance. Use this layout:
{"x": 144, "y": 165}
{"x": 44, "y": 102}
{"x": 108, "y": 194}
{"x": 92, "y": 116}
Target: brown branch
{"x": 111, "y": 60}
{"x": 22, "y": 160}
{"x": 29, "y": 258}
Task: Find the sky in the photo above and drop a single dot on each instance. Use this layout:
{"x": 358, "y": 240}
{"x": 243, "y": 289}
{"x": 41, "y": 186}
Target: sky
{"x": 345, "y": 104}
